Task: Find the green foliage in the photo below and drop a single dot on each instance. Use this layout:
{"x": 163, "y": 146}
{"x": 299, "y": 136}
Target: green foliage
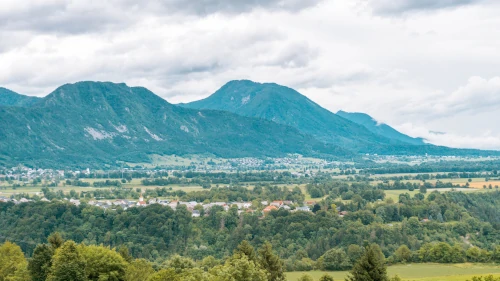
{"x": 240, "y": 268}
{"x": 138, "y": 270}
{"x": 326, "y": 277}
{"x": 41, "y": 262}
{"x": 305, "y": 277}
{"x": 370, "y": 267}
{"x": 403, "y": 254}
{"x": 336, "y": 259}
{"x": 180, "y": 264}
{"x": 244, "y": 248}
{"x": 271, "y": 263}
{"x": 55, "y": 240}
{"x": 485, "y": 278}
{"x": 68, "y": 264}
{"x": 12, "y": 263}
{"x": 102, "y": 263}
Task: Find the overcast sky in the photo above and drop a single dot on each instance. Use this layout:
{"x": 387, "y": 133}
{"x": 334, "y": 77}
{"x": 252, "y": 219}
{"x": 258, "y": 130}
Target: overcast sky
{"x": 430, "y": 68}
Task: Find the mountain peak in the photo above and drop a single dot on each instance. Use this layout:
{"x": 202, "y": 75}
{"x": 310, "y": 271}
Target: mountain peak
{"x": 91, "y": 93}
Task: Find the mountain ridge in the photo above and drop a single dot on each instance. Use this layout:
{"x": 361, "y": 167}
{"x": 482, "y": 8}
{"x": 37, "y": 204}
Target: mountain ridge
{"x": 11, "y": 98}
{"x": 105, "y": 122}
{"x": 379, "y": 128}
{"x": 282, "y": 105}
{"x": 287, "y": 106}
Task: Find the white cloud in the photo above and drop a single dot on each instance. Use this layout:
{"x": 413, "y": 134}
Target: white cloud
{"x": 429, "y": 69}
{"x": 487, "y": 140}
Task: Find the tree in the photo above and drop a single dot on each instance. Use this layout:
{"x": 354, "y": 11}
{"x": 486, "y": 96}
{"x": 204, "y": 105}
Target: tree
{"x": 305, "y": 277}
{"x": 180, "y": 264}
{"x": 55, "y": 240}
{"x": 123, "y": 251}
{"x": 165, "y": 274}
{"x": 354, "y": 252}
{"x": 336, "y": 259}
{"x": 326, "y": 277}
{"x": 40, "y": 262}
{"x": 102, "y": 263}
{"x": 138, "y": 270}
{"x": 423, "y": 189}
{"x": 68, "y": 264}
{"x": 370, "y": 266}
{"x": 12, "y": 261}
{"x": 402, "y": 254}
{"x": 271, "y": 263}
{"x": 244, "y": 248}
{"x": 240, "y": 268}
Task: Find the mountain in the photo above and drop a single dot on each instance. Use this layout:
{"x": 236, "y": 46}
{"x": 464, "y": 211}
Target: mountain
{"x": 101, "y": 122}
{"x": 379, "y": 128}
{"x": 286, "y": 106}
{"x": 10, "y": 98}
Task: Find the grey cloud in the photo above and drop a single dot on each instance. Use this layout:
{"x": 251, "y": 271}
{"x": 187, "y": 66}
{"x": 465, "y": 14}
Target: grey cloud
{"x": 394, "y": 7}
{"x": 80, "y": 16}
{"x": 206, "y": 7}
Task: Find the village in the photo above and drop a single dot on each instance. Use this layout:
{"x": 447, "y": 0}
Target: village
{"x": 197, "y": 209}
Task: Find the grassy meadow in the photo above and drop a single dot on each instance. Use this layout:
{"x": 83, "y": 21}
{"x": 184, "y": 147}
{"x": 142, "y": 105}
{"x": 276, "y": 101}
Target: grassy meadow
{"x": 419, "y": 272}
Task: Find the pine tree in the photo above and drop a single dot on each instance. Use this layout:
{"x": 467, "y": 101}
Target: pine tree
{"x": 246, "y": 249}
{"x": 55, "y": 239}
{"x": 68, "y": 264}
{"x": 41, "y": 261}
{"x": 370, "y": 267}
{"x": 271, "y": 263}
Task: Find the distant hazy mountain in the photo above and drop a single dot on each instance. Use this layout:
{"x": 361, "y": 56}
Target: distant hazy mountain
{"x": 91, "y": 122}
{"x": 286, "y": 106}
{"x": 379, "y": 128}
{"x": 10, "y": 98}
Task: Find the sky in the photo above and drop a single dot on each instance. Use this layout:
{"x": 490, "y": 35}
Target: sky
{"x": 429, "y": 68}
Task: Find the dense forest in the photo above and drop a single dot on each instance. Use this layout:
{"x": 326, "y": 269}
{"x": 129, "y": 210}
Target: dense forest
{"x": 442, "y": 227}
{"x": 60, "y": 260}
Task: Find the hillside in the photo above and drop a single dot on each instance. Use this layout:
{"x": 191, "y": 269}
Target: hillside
{"x": 286, "y": 106}
{"x": 379, "y": 128}
{"x": 94, "y": 122}
{"x": 10, "y": 98}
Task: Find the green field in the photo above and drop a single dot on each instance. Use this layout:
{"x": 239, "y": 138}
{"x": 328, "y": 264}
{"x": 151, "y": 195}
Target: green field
{"x": 419, "y": 272}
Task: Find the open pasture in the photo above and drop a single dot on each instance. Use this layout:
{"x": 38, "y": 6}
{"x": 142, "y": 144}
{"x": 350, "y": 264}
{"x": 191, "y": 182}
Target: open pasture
{"x": 419, "y": 272}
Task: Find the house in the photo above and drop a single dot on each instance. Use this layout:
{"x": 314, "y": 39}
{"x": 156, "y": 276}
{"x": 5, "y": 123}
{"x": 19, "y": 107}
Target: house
{"x": 277, "y": 203}
{"x": 265, "y": 203}
{"x": 342, "y": 214}
{"x": 285, "y": 207}
{"x": 74, "y": 202}
{"x": 303, "y": 209}
{"x": 173, "y": 204}
{"x": 288, "y": 202}
{"x": 195, "y": 214}
{"x": 269, "y": 209}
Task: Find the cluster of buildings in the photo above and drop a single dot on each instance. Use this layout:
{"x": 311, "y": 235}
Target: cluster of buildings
{"x": 192, "y": 205}
{"x": 22, "y": 200}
